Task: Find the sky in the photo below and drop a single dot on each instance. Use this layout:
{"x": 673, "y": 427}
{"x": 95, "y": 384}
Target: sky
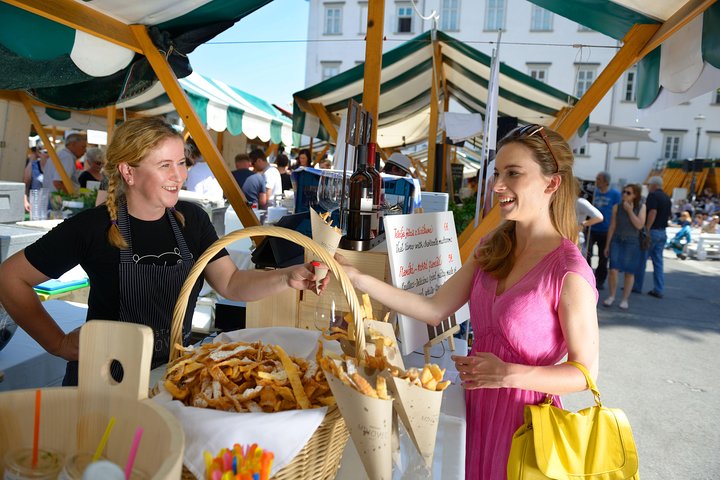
{"x": 271, "y": 71}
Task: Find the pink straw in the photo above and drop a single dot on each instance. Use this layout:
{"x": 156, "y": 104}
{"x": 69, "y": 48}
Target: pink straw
{"x": 36, "y": 429}
{"x": 133, "y": 452}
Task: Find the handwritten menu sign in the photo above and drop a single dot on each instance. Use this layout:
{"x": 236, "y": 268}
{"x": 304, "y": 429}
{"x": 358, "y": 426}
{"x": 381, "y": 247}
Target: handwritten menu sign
{"x": 423, "y": 253}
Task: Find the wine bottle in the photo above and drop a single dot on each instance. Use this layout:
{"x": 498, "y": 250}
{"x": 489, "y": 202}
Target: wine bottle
{"x": 377, "y": 189}
{"x": 361, "y": 199}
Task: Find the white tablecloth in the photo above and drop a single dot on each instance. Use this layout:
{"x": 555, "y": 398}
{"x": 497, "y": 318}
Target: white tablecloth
{"x": 449, "y": 458}
{"x": 26, "y": 364}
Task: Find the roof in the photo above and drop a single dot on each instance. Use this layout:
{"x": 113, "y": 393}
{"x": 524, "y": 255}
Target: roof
{"x": 405, "y": 91}
{"x": 65, "y": 67}
{"x": 685, "y": 66}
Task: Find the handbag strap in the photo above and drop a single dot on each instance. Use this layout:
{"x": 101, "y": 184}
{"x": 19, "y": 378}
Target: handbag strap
{"x": 590, "y": 383}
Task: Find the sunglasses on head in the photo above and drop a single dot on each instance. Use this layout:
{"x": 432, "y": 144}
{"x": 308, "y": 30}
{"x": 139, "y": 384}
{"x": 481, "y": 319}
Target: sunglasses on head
{"x": 627, "y": 192}
{"x": 532, "y": 129}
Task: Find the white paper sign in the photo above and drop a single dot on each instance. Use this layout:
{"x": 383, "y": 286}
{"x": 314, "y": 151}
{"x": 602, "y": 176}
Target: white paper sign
{"x": 423, "y": 253}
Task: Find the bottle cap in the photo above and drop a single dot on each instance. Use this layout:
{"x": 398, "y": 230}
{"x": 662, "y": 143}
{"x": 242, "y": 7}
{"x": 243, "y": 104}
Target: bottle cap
{"x": 315, "y": 263}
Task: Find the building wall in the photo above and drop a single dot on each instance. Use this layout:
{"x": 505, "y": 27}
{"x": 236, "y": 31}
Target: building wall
{"x": 557, "y": 50}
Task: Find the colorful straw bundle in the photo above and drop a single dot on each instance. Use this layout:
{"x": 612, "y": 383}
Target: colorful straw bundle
{"x": 249, "y": 463}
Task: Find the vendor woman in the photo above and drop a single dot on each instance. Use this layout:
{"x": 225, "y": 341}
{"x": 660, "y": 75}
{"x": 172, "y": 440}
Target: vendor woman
{"x": 137, "y": 250}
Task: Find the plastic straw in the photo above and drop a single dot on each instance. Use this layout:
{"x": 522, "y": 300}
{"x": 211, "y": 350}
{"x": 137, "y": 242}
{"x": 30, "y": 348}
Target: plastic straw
{"x": 36, "y": 432}
{"x": 133, "y": 452}
{"x": 103, "y": 440}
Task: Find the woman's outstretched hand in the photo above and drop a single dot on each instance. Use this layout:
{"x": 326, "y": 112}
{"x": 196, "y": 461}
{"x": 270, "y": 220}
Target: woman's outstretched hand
{"x": 481, "y": 370}
{"x": 302, "y": 277}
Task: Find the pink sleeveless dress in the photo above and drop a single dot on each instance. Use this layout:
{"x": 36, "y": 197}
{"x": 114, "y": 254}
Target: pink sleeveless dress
{"x": 521, "y": 325}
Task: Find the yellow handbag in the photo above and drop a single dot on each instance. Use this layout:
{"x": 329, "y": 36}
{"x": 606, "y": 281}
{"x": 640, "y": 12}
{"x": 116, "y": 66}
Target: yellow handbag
{"x": 595, "y": 443}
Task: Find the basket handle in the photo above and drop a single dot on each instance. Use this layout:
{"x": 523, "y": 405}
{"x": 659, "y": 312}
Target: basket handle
{"x": 279, "y": 232}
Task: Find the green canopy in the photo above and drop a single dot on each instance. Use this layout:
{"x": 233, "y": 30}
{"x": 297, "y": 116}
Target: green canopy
{"x": 406, "y": 80}
{"x": 62, "y": 66}
{"x": 686, "y": 65}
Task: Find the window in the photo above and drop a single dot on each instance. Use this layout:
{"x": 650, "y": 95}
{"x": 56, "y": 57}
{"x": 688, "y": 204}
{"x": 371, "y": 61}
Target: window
{"x": 584, "y": 78}
{"x": 450, "y": 15}
{"x": 629, "y": 86}
{"x": 580, "y": 151}
{"x": 330, "y": 69}
{"x": 671, "y": 146}
{"x": 363, "y": 18}
{"x": 540, "y": 19}
{"x": 716, "y": 97}
{"x": 538, "y": 71}
{"x": 333, "y": 20}
{"x": 404, "y": 19}
{"x": 495, "y": 15}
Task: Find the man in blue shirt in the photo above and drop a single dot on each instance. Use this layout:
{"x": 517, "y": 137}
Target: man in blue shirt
{"x": 604, "y": 199}
{"x": 658, "y": 213}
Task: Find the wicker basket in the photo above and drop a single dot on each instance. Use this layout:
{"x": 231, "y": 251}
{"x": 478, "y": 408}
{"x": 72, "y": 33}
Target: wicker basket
{"x": 320, "y": 457}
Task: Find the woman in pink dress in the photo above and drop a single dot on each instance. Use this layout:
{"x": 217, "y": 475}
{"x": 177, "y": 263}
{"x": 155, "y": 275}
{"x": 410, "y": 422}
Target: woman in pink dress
{"x": 532, "y": 298}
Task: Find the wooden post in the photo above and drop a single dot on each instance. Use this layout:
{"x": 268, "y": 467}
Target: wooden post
{"x": 271, "y": 149}
{"x": 373, "y": 61}
{"x": 50, "y": 146}
{"x": 111, "y": 116}
{"x": 219, "y": 141}
{"x": 195, "y": 127}
{"x": 433, "y": 125}
{"x": 326, "y": 119}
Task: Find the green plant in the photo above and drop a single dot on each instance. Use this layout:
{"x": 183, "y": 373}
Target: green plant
{"x": 463, "y": 214}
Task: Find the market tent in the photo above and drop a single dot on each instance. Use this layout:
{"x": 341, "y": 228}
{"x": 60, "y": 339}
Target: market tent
{"x": 64, "y": 66}
{"x": 686, "y": 65}
{"x": 405, "y": 90}
{"x": 86, "y": 55}
{"x": 220, "y": 106}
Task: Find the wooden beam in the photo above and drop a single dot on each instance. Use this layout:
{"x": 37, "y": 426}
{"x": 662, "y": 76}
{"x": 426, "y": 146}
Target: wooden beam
{"x": 470, "y": 237}
{"x": 111, "y": 117}
{"x": 50, "y": 146}
{"x": 322, "y": 153}
{"x": 433, "y": 125}
{"x": 196, "y": 128}
{"x": 219, "y": 141}
{"x": 327, "y": 122}
{"x": 81, "y": 17}
{"x": 373, "y": 61}
{"x": 679, "y": 19}
{"x": 627, "y": 56}
{"x": 272, "y": 148}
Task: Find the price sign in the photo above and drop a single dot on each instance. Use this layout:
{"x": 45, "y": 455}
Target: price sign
{"x": 423, "y": 253}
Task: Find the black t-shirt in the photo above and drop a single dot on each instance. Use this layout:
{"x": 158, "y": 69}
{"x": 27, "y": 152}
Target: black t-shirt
{"x": 286, "y": 181}
{"x": 658, "y": 200}
{"x": 82, "y": 239}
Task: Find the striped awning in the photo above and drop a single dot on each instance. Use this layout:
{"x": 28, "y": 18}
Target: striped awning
{"x": 686, "y": 65}
{"x": 221, "y": 107}
{"x": 64, "y": 67}
{"x": 406, "y": 79}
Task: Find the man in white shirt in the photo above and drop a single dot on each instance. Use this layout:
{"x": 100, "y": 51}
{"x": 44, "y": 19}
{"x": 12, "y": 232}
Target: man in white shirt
{"x": 75, "y": 147}
{"x": 273, "y": 181}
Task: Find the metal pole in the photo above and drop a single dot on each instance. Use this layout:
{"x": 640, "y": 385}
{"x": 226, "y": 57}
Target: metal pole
{"x": 697, "y": 141}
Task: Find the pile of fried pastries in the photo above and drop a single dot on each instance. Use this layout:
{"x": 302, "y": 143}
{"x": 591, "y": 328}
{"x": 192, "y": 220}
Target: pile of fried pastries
{"x": 246, "y": 377}
{"x": 345, "y": 368}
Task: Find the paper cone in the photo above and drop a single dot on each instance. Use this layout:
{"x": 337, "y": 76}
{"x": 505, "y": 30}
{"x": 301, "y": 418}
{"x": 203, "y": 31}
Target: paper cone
{"x": 327, "y": 236}
{"x": 386, "y": 329}
{"x": 369, "y": 421}
{"x": 419, "y": 410}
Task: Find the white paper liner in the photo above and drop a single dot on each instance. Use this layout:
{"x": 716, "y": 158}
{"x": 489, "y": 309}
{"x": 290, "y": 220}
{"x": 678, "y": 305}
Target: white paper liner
{"x": 327, "y": 237}
{"x": 282, "y": 433}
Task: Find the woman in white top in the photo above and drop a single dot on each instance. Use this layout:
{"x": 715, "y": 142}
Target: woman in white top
{"x": 200, "y": 178}
{"x": 587, "y": 216}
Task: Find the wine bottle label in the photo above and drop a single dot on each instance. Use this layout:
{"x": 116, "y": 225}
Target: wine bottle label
{"x": 366, "y": 204}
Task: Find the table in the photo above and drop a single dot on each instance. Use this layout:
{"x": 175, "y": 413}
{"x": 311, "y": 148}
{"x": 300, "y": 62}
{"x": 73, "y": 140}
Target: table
{"x": 26, "y": 364}
{"x": 449, "y": 458}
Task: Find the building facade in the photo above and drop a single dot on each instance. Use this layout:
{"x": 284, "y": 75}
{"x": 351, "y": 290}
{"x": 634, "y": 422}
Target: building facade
{"x": 535, "y": 41}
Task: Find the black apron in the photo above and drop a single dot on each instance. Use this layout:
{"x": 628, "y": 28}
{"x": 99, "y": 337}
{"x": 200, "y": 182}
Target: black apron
{"x": 148, "y": 294}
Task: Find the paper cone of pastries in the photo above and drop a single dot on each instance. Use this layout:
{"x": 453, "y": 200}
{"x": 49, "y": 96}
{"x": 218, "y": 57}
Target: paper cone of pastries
{"x": 419, "y": 411}
{"x": 327, "y": 236}
{"x": 369, "y": 421}
{"x": 375, "y": 330}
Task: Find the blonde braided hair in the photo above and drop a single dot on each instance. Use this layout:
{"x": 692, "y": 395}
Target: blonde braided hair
{"x": 131, "y": 143}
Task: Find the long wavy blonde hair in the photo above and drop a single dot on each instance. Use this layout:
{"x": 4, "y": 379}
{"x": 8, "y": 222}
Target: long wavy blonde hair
{"x": 131, "y": 143}
{"x": 495, "y": 254}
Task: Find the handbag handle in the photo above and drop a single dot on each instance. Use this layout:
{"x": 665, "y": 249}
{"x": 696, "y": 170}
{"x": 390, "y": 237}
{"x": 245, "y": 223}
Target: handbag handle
{"x": 590, "y": 383}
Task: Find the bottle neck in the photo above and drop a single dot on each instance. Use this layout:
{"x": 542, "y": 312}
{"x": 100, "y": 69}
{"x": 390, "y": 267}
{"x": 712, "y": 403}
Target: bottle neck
{"x": 371, "y": 148}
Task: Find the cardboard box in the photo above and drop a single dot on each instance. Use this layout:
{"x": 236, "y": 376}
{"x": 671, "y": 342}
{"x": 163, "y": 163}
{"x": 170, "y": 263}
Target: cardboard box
{"x": 14, "y": 238}
{"x": 12, "y": 207}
